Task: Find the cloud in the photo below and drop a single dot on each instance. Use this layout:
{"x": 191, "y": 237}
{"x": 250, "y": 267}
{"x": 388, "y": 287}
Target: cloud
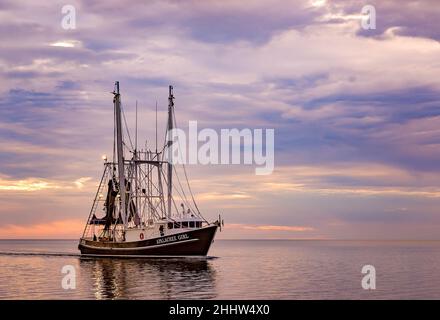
{"x": 62, "y": 229}
{"x": 41, "y": 184}
{"x": 270, "y": 228}
{"x": 66, "y": 43}
{"x": 29, "y": 184}
{"x": 355, "y": 112}
{"x": 415, "y": 18}
{"x": 81, "y": 181}
{"x": 252, "y": 231}
{"x": 220, "y": 196}
{"x": 351, "y": 179}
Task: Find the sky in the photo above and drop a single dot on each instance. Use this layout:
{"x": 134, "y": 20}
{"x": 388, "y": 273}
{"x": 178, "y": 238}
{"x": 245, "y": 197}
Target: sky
{"x": 356, "y": 112}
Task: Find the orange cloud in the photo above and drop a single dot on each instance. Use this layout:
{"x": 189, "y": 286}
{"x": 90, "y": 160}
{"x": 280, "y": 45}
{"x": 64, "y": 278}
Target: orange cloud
{"x": 270, "y": 227}
{"x": 222, "y": 196}
{"x": 81, "y": 181}
{"x": 55, "y": 230}
{"x": 29, "y": 184}
{"x": 37, "y": 184}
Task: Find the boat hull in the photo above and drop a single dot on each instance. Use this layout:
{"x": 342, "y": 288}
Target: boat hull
{"x": 189, "y": 243}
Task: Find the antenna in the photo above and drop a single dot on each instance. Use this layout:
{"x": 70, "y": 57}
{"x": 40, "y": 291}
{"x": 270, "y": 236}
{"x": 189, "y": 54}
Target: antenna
{"x": 136, "y": 136}
{"x": 156, "y": 127}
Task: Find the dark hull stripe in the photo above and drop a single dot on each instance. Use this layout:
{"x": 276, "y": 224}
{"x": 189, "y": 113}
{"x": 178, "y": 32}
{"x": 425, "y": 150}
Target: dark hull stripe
{"x": 189, "y": 243}
{"x": 147, "y": 247}
{"x": 146, "y": 256}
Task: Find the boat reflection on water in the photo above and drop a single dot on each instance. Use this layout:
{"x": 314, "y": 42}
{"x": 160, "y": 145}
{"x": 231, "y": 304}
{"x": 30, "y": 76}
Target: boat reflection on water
{"x": 174, "y": 278}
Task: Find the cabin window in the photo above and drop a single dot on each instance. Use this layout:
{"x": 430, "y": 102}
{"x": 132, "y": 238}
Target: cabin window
{"x": 185, "y": 224}
{"x": 176, "y": 225}
{"x": 170, "y": 225}
{"x": 191, "y": 224}
{"x": 198, "y": 224}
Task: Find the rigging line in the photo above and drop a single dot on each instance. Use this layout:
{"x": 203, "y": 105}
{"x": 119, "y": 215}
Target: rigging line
{"x": 126, "y": 127}
{"x": 180, "y": 185}
{"x": 165, "y": 144}
{"x": 183, "y": 191}
{"x": 149, "y": 180}
{"x": 162, "y": 152}
{"x": 197, "y": 211}
{"x": 147, "y": 199}
{"x": 166, "y": 182}
{"x": 147, "y": 174}
{"x": 104, "y": 175}
{"x": 160, "y": 186}
{"x": 172, "y": 198}
{"x": 186, "y": 177}
{"x": 157, "y": 210}
{"x": 185, "y": 201}
{"x": 127, "y": 147}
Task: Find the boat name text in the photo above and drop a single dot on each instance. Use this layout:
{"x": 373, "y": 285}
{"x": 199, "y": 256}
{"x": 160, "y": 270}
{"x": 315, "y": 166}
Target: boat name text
{"x": 172, "y": 239}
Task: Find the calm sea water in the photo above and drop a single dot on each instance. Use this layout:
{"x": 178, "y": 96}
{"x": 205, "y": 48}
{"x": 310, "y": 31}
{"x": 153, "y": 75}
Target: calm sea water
{"x": 242, "y": 269}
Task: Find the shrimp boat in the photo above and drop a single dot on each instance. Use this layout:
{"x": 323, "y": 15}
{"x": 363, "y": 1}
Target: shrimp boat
{"x": 138, "y": 211}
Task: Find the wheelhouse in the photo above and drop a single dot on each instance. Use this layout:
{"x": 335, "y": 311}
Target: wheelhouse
{"x": 185, "y": 224}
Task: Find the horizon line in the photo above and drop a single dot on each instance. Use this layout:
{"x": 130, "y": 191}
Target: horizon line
{"x": 242, "y": 239}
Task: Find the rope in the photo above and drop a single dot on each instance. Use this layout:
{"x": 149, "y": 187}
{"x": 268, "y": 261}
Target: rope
{"x": 126, "y": 128}
{"x": 186, "y": 177}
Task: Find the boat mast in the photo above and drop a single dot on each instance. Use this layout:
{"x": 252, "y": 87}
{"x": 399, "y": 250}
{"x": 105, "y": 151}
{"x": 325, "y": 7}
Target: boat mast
{"x": 170, "y": 166}
{"x": 120, "y": 151}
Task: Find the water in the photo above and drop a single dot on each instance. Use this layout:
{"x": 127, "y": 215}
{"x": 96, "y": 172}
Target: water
{"x": 242, "y": 269}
